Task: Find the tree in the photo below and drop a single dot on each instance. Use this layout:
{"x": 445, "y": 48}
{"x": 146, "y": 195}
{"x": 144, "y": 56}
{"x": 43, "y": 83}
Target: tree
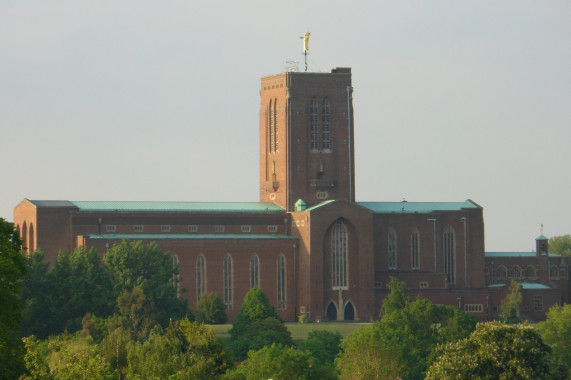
{"x": 35, "y": 293}
{"x": 556, "y": 331}
{"x": 12, "y": 270}
{"x": 560, "y": 245}
{"x": 281, "y": 362}
{"x": 133, "y": 264}
{"x": 255, "y": 307}
{"x": 187, "y": 350}
{"x": 210, "y": 309}
{"x": 366, "y": 354}
{"x": 323, "y": 345}
{"x": 509, "y": 308}
{"x": 412, "y": 329}
{"x": 495, "y": 351}
{"x": 257, "y": 324}
{"x": 398, "y": 297}
{"x": 58, "y": 299}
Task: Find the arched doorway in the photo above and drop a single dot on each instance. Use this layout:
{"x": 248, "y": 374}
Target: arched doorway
{"x": 349, "y": 314}
{"x": 331, "y": 312}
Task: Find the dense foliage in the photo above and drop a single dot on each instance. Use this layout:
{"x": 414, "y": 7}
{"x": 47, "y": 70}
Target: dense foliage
{"x": 495, "y": 351}
{"x": 80, "y": 282}
{"x": 12, "y": 270}
{"x": 257, "y": 325}
{"x": 556, "y": 331}
{"x": 560, "y": 245}
{"x": 120, "y": 317}
{"x": 210, "y": 309}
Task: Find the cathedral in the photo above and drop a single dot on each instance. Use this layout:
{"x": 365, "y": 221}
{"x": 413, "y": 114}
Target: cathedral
{"x": 308, "y": 244}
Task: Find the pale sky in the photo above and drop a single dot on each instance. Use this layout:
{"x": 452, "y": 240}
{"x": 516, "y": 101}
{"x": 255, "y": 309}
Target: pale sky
{"x": 148, "y": 100}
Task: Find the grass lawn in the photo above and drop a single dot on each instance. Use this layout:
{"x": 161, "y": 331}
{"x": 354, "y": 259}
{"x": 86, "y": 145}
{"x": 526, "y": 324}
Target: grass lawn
{"x": 299, "y": 331}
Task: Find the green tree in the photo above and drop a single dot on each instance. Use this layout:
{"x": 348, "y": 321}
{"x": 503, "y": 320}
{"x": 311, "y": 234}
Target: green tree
{"x": 36, "y": 294}
{"x": 412, "y": 329}
{"x": 133, "y": 264}
{"x": 398, "y": 297}
{"x": 366, "y": 354}
{"x": 556, "y": 331}
{"x": 323, "y": 345}
{"x": 210, "y": 309}
{"x": 12, "y": 271}
{"x": 560, "y": 245}
{"x": 495, "y": 351}
{"x": 509, "y": 308}
{"x": 57, "y": 300}
{"x": 255, "y": 307}
{"x": 257, "y": 324}
{"x": 138, "y": 314}
{"x": 281, "y": 362}
{"x": 187, "y": 350}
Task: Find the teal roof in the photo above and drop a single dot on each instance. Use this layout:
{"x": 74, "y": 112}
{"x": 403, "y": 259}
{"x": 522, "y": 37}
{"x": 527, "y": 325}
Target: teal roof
{"x": 533, "y": 286}
{"x": 191, "y": 236}
{"x": 135, "y": 206}
{"x": 515, "y": 254}
{"x": 524, "y": 286}
{"x": 417, "y": 207}
{"x": 541, "y": 237}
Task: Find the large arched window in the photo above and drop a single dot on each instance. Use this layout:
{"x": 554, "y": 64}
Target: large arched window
{"x": 501, "y": 272}
{"x": 281, "y": 277}
{"x": 339, "y": 254}
{"x": 254, "y": 271}
{"x": 325, "y": 125}
{"x": 392, "y": 249}
{"x": 530, "y": 272}
{"x": 228, "y": 277}
{"x": 314, "y": 124}
{"x": 449, "y": 246}
{"x": 554, "y": 273}
{"x": 276, "y": 129}
{"x": 414, "y": 249}
{"x": 200, "y": 276}
{"x": 514, "y": 272}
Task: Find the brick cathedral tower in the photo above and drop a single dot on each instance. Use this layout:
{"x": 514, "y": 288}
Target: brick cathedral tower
{"x": 306, "y": 138}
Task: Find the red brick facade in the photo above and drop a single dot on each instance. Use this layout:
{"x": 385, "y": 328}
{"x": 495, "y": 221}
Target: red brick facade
{"x": 337, "y": 255}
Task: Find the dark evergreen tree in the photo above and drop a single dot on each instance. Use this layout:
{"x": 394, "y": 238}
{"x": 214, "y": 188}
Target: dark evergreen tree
{"x": 12, "y": 271}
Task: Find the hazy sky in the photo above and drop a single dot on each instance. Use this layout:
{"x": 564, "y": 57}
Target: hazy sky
{"x": 148, "y": 100}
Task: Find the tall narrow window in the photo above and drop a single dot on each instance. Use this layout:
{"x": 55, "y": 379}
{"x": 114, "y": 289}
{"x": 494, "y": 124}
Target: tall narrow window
{"x": 175, "y": 275}
{"x": 272, "y": 128}
{"x": 31, "y": 238}
{"x": 200, "y": 276}
{"x": 414, "y": 248}
{"x": 392, "y": 249}
{"x": 281, "y": 282}
{"x": 339, "y": 253}
{"x": 449, "y": 254}
{"x": 228, "y": 280}
{"x": 275, "y": 116}
{"x": 254, "y": 271}
{"x": 25, "y": 236}
{"x": 314, "y": 126}
{"x": 325, "y": 126}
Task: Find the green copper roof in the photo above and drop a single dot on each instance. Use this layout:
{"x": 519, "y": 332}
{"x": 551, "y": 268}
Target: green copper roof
{"x": 524, "y": 286}
{"x": 533, "y": 286}
{"x": 134, "y": 206}
{"x": 416, "y": 207}
{"x": 515, "y": 254}
{"x": 191, "y": 236}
